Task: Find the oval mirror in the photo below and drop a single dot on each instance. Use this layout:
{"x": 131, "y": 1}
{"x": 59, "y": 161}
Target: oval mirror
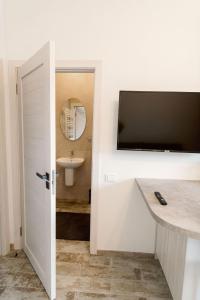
{"x": 73, "y": 119}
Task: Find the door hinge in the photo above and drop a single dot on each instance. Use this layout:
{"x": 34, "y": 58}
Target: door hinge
{"x": 53, "y": 178}
{"x": 20, "y": 230}
{"x": 16, "y": 89}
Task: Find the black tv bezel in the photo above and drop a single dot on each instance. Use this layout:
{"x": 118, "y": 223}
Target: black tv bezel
{"x": 152, "y": 150}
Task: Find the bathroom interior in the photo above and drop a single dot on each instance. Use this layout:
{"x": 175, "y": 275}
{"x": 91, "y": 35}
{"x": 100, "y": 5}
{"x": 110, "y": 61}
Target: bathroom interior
{"x": 74, "y": 119}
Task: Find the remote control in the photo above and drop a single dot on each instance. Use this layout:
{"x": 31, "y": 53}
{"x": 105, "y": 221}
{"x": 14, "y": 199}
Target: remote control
{"x": 160, "y": 198}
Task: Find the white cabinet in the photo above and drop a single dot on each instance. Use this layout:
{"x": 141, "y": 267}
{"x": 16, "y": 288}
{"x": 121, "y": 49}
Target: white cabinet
{"x": 179, "y": 257}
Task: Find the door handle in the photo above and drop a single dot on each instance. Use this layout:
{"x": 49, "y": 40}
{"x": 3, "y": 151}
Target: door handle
{"x": 43, "y": 177}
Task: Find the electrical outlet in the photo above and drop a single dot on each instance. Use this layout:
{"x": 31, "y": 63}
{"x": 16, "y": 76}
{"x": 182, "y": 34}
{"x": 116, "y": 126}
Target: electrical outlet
{"x": 111, "y": 177}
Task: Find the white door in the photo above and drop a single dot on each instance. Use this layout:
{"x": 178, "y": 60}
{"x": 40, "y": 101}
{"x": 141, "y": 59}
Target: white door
{"x": 37, "y": 89}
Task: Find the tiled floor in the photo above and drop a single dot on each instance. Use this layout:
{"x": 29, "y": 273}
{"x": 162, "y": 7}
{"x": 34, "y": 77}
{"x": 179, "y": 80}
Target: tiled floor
{"x": 84, "y": 277}
{"x": 63, "y": 205}
{"x": 18, "y": 281}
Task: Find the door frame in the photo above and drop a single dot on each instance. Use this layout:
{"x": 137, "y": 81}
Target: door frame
{"x": 5, "y": 193}
{"x": 94, "y": 67}
{"x": 4, "y": 207}
{"x": 10, "y": 193}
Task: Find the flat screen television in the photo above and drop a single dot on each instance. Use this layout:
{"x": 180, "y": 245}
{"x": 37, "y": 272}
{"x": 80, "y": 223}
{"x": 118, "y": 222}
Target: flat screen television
{"x": 159, "y": 121}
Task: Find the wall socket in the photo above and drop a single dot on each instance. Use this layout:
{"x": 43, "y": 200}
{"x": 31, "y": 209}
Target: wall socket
{"x": 111, "y": 177}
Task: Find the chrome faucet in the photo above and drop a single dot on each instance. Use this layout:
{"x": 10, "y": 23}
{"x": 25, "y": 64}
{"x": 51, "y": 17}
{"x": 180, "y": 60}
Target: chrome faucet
{"x": 71, "y": 153}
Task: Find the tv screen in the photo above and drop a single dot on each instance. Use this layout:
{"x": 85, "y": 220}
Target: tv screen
{"x": 159, "y": 121}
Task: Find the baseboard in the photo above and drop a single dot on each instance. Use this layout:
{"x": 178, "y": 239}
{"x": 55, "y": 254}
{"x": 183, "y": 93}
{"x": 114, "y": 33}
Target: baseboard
{"x": 12, "y": 247}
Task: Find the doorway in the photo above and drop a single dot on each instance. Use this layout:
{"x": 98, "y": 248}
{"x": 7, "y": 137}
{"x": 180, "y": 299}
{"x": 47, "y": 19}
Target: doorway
{"x": 74, "y": 129}
{"x": 37, "y": 93}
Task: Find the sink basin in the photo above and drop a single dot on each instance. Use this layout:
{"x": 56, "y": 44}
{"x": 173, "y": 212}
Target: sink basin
{"x": 70, "y": 162}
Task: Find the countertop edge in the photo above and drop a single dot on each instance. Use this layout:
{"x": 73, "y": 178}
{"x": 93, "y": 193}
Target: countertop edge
{"x": 190, "y": 234}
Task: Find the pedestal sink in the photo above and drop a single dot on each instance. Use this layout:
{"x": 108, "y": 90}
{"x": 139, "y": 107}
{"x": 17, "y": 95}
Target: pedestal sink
{"x": 70, "y": 163}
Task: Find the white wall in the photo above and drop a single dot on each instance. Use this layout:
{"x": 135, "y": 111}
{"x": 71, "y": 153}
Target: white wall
{"x": 143, "y": 45}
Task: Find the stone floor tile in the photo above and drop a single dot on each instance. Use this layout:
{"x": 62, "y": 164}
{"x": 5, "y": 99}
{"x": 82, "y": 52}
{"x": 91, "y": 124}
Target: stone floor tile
{"x": 127, "y": 262}
{"x": 145, "y": 264}
{"x": 92, "y": 296}
{"x": 100, "y": 285}
{"x": 124, "y": 286}
{"x": 153, "y": 277}
{"x": 159, "y": 290}
{"x": 12, "y": 265}
{"x": 72, "y": 246}
{"x": 23, "y": 294}
{"x": 158, "y": 298}
{"x": 152, "y": 265}
{"x": 27, "y": 280}
{"x": 1, "y": 290}
{"x": 99, "y": 261}
{"x": 73, "y": 283}
{"x": 73, "y": 257}
{"x": 62, "y": 294}
{"x": 83, "y": 284}
{"x": 67, "y": 268}
{"x": 133, "y": 255}
{"x": 35, "y": 282}
{"x": 83, "y": 276}
{"x": 95, "y": 271}
{"x": 125, "y": 273}
{"x": 6, "y": 279}
{"x": 72, "y": 206}
{"x": 27, "y": 268}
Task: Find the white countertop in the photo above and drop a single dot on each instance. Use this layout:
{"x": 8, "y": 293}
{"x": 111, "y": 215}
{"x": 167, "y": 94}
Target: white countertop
{"x": 182, "y": 214}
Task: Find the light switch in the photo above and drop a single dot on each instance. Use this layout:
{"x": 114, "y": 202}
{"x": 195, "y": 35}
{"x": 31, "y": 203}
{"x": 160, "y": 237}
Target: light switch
{"x": 111, "y": 177}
